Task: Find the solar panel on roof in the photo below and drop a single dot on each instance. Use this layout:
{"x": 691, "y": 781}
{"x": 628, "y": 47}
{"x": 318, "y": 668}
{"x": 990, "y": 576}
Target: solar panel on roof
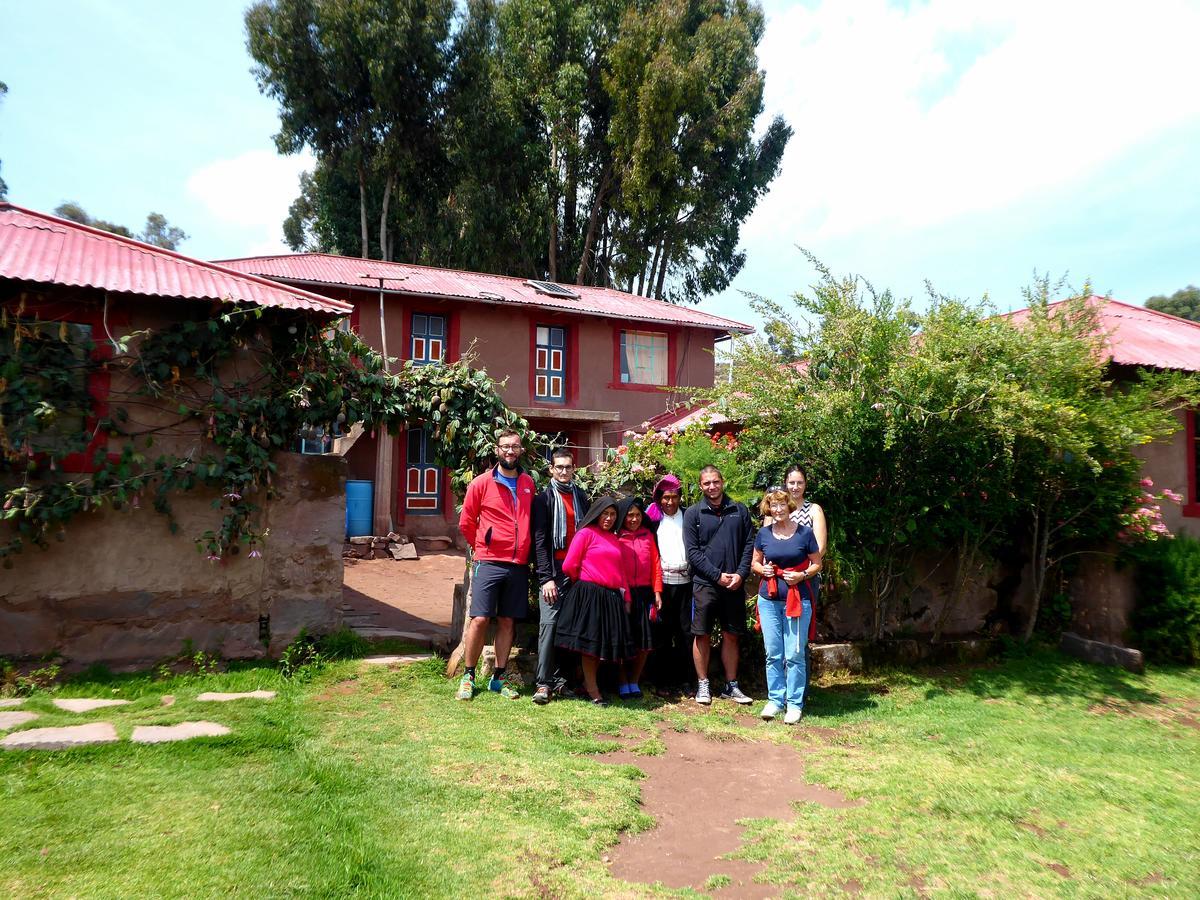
{"x": 552, "y": 289}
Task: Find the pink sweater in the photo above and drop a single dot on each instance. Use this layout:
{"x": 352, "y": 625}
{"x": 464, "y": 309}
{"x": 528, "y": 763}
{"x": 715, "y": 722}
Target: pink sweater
{"x": 646, "y": 568}
{"x": 597, "y": 556}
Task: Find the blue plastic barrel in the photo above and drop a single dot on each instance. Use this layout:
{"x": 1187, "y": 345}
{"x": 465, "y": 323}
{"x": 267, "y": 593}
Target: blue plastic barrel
{"x": 360, "y": 502}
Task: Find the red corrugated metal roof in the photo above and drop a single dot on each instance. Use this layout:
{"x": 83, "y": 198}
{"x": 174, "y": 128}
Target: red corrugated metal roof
{"x": 47, "y": 250}
{"x": 1137, "y": 336}
{"x": 323, "y": 268}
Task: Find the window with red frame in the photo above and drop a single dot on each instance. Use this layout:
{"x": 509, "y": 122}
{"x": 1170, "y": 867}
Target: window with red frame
{"x": 428, "y": 344}
{"x": 644, "y": 357}
{"x": 550, "y": 365}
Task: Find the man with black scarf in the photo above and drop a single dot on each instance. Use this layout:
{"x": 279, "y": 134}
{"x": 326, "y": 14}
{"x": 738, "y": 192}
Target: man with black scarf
{"x": 554, "y": 514}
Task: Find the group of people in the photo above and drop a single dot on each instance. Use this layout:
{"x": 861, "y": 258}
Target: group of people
{"x": 623, "y": 583}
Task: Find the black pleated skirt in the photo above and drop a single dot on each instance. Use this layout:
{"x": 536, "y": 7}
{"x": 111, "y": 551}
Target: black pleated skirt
{"x": 639, "y": 617}
{"x": 592, "y": 620}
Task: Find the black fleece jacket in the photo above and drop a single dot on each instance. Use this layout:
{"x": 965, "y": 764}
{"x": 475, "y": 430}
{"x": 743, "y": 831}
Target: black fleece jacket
{"x": 717, "y": 540}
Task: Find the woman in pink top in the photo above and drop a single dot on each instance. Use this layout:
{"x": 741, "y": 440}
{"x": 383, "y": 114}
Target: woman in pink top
{"x": 645, "y": 590}
{"x": 592, "y": 620}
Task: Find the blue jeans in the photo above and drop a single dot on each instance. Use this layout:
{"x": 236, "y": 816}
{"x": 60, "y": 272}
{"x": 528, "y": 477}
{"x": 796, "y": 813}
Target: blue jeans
{"x": 785, "y": 641}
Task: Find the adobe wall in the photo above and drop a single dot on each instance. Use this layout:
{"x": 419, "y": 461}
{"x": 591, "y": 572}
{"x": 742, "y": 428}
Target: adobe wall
{"x": 120, "y": 589}
{"x": 1165, "y": 463}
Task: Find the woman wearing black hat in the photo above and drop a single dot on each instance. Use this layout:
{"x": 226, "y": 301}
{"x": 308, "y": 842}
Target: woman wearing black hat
{"x": 592, "y": 620}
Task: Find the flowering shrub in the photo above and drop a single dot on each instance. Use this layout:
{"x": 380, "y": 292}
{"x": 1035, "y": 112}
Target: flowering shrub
{"x": 1143, "y": 520}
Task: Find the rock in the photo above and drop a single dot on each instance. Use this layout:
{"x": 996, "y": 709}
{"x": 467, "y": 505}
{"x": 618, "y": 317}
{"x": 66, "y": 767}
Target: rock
{"x": 61, "y": 738}
{"x": 395, "y": 660}
{"x": 379, "y": 544}
{"x": 363, "y": 539}
{"x": 161, "y": 734}
{"x": 404, "y": 551}
{"x": 836, "y": 657}
{"x": 7, "y": 702}
{"x": 87, "y": 704}
{"x": 397, "y": 538}
{"x": 350, "y": 560}
{"x": 168, "y": 700}
{"x": 436, "y": 542}
{"x": 1101, "y": 653}
{"x": 217, "y": 697}
{"x": 13, "y": 719}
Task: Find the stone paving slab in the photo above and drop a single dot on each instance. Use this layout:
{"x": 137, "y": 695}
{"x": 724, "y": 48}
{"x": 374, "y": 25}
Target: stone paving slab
{"x": 160, "y": 734}
{"x": 13, "y": 719}
{"x": 61, "y": 738}
{"x": 217, "y": 697}
{"x": 396, "y": 660}
{"x": 87, "y": 704}
{"x": 6, "y": 702}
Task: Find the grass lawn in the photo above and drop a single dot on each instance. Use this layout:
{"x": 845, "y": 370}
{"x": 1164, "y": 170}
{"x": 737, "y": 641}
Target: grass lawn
{"x": 1031, "y": 777}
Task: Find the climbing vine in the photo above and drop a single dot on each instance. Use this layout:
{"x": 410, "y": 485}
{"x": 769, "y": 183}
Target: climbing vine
{"x": 203, "y": 403}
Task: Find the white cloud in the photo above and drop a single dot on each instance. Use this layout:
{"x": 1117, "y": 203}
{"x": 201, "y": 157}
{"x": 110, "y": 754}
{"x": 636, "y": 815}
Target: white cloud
{"x": 907, "y": 118}
{"x": 253, "y": 190}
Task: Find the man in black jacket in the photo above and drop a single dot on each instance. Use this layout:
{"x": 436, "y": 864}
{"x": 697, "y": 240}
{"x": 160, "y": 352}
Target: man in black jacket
{"x": 718, "y": 534}
{"x": 554, "y": 514}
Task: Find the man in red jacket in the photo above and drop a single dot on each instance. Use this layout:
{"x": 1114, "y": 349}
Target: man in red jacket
{"x": 495, "y": 522}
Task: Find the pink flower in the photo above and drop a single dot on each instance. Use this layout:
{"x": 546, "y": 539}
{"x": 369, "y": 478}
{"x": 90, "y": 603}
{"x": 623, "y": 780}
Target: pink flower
{"x": 1146, "y": 482}
{"x": 622, "y": 450}
{"x": 255, "y": 553}
{"x": 233, "y": 496}
{"x": 1172, "y": 495}
{"x": 213, "y": 557}
{"x": 637, "y": 467}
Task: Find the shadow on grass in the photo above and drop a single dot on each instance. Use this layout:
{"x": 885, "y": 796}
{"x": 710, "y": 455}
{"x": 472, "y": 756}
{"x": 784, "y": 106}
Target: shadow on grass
{"x": 1048, "y": 673}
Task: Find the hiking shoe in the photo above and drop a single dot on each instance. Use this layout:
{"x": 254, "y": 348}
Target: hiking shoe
{"x": 770, "y": 711}
{"x": 542, "y": 695}
{"x": 466, "y": 688}
{"x": 793, "y": 715}
{"x": 703, "y": 694}
{"x": 734, "y": 693}
{"x": 504, "y": 688}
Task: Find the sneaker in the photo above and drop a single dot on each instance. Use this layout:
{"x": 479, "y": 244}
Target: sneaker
{"x": 770, "y": 711}
{"x": 542, "y": 695}
{"x": 703, "y": 694}
{"x": 504, "y": 688}
{"x": 734, "y": 693}
{"x": 466, "y": 688}
{"x": 635, "y": 692}
{"x": 793, "y": 715}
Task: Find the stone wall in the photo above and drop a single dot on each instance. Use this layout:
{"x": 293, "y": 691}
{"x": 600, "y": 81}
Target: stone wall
{"x": 121, "y": 589}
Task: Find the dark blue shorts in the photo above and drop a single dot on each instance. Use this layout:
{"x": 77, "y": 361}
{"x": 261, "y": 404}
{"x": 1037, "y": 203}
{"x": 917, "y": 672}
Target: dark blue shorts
{"x": 712, "y": 604}
{"x": 500, "y": 589}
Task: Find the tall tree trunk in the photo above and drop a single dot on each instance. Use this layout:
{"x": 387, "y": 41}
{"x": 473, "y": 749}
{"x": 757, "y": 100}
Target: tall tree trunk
{"x": 384, "y": 244}
{"x": 648, "y": 285}
{"x": 1038, "y": 565}
{"x": 552, "y": 249}
{"x": 662, "y": 269}
{"x": 570, "y": 208}
{"x": 362, "y": 208}
{"x": 589, "y": 239}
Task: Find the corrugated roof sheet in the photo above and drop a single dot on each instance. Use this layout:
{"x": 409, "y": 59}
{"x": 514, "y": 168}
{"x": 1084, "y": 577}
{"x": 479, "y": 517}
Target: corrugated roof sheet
{"x": 41, "y": 248}
{"x": 323, "y": 268}
{"x": 1137, "y": 336}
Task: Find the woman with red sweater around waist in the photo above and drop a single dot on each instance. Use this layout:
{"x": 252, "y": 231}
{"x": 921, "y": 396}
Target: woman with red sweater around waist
{"x": 645, "y": 590}
{"x": 593, "y": 621}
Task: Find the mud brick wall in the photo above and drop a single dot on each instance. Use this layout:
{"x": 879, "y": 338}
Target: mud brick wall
{"x": 121, "y": 589}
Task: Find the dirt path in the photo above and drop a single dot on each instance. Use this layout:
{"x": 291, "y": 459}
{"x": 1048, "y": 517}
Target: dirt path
{"x": 697, "y": 791}
{"x": 412, "y": 595}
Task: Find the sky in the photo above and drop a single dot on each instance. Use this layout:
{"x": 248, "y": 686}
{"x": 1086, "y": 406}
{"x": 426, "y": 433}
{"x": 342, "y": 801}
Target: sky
{"x": 964, "y": 144}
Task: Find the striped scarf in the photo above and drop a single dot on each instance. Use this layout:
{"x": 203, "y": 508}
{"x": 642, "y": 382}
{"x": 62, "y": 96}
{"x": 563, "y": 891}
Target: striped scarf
{"x": 558, "y": 518}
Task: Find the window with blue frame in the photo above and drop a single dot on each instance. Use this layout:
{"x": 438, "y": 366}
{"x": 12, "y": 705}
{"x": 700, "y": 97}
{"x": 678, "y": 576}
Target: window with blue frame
{"x": 550, "y": 365}
{"x": 428, "y": 344}
{"x": 423, "y": 479}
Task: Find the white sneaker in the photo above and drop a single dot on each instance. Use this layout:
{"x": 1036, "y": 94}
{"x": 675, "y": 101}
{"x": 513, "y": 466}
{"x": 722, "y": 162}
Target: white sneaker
{"x": 793, "y": 715}
{"x": 770, "y": 711}
{"x": 703, "y": 694}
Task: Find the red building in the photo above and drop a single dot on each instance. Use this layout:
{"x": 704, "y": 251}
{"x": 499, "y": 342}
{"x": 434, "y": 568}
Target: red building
{"x": 584, "y": 363}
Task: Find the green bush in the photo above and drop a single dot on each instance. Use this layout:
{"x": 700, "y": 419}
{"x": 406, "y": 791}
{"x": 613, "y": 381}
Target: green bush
{"x": 1166, "y": 620}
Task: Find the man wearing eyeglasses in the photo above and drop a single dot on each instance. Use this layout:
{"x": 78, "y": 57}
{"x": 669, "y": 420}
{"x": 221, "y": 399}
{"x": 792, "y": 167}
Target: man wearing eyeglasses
{"x": 555, "y": 512}
{"x": 495, "y": 522}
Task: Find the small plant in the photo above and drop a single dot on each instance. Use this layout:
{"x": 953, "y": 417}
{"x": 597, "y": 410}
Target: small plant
{"x": 15, "y": 683}
{"x": 190, "y": 661}
{"x": 302, "y": 658}
{"x": 344, "y": 644}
